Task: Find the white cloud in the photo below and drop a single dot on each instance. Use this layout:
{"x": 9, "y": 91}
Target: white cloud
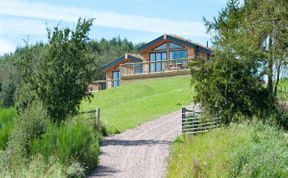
{"x": 6, "y": 46}
{"x": 110, "y": 19}
{"x": 23, "y": 26}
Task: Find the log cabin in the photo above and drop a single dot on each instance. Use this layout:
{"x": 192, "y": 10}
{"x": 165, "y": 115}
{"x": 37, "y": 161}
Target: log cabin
{"x": 167, "y": 55}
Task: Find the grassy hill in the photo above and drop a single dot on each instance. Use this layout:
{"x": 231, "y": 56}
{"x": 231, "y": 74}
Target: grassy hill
{"x": 132, "y": 104}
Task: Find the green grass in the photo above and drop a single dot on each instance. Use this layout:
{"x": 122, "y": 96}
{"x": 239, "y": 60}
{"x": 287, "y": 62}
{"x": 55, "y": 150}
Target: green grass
{"x": 7, "y": 120}
{"x": 132, "y": 104}
{"x": 237, "y": 151}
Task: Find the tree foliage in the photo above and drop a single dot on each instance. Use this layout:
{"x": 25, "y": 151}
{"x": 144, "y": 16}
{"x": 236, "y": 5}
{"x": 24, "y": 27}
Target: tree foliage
{"x": 257, "y": 31}
{"x": 61, "y": 78}
{"x": 102, "y": 51}
{"x": 250, "y": 41}
{"x": 227, "y": 87}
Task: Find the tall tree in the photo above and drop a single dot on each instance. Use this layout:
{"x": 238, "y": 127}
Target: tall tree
{"x": 61, "y": 79}
{"x": 255, "y": 31}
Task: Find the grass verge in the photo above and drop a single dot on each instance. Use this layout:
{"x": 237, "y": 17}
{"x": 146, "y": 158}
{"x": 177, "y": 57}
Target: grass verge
{"x": 237, "y": 151}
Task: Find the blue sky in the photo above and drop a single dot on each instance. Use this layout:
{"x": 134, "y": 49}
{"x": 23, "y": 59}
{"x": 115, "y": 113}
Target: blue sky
{"x": 137, "y": 20}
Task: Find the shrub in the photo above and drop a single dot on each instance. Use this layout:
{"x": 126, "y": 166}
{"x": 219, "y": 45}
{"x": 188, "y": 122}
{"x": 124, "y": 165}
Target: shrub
{"x": 38, "y": 167}
{"x": 71, "y": 141}
{"x": 228, "y": 87}
{"x": 29, "y": 125}
{"x": 280, "y": 118}
{"x": 40, "y": 148}
{"x": 7, "y": 121}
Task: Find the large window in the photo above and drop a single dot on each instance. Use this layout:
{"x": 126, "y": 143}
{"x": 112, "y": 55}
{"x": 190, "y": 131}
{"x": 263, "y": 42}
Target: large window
{"x": 116, "y": 78}
{"x": 175, "y": 46}
{"x": 178, "y": 54}
{"x": 159, "y": 54}
{"x": 161, "y": 47}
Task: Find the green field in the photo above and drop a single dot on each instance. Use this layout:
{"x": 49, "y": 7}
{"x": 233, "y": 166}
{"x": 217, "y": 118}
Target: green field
{"x": 132, "y": 104}
{"x": 254, "y": 150}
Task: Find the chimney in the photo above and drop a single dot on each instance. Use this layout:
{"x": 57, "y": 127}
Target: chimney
{"x": 165, "y": 36}
{"x": 126, "y": 56}
{"x": 207, "y": 44}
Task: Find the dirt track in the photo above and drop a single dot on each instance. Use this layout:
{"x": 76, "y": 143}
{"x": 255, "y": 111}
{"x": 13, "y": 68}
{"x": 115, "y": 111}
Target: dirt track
{"x": 140, "y": 152}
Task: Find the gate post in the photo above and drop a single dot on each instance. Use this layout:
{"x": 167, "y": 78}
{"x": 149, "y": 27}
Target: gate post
{"x": 98, "y": 119}
{"x": 183, "y": 116}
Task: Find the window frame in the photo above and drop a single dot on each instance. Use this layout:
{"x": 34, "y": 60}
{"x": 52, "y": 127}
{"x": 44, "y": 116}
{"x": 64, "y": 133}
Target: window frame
{"x": 116, "y": 82}
{"x": 168, "y": 50}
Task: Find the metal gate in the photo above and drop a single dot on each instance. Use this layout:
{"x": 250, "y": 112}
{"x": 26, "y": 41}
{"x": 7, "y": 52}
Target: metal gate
{"x": 193, "y": 124}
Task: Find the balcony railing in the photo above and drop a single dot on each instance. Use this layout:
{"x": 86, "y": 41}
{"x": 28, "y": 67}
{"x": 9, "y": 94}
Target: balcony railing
{"x": 132, "y": 69}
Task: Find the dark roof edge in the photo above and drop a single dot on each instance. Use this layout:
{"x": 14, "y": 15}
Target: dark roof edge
{"x": 151, "y": 42}
{"x": 187, "y": 43}
{"x": 119, "y": 59}
{"x": 134, "y": 59}
{"x": 184, "y": 42}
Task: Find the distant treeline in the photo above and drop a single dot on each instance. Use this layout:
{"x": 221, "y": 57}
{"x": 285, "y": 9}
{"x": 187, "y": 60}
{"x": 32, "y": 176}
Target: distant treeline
{"x": 103, "y": 51}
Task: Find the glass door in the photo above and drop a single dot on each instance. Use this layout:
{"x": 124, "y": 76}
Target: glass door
{"x": 157, "y": 60}
{"x": 116, "y": 78}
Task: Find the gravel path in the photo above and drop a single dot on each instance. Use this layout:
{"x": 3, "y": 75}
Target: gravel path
{"x": 140, "y": 152}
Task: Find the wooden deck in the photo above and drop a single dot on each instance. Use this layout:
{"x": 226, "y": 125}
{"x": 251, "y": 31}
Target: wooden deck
{"x": 154, "y": 68}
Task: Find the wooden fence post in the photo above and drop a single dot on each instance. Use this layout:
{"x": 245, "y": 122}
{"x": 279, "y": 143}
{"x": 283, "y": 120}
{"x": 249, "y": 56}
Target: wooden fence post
{"x": 98, "y": 119}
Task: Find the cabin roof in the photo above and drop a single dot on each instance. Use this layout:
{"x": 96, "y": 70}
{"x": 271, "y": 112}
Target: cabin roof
{"x": 131, "y": 57}
{"x": 176, "y": 39}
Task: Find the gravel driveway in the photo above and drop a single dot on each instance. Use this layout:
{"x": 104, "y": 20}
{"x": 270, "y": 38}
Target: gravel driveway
{"x": 140, "y": 152}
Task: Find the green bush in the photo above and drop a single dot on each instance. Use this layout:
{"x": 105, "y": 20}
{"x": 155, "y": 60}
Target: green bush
{"x": 30, "y": 124}
{"x": 280, "y": 118}
{"x": 227, "y": 87}
{"x": 7, "y": 121}
{"x": 40, "y": 148}
{"x": 71, "y": 141}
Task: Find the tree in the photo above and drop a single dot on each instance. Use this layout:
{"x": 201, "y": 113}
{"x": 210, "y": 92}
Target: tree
{"x": 255, "y": 31}
{"x": 8, "y": 95}
{"x": 269, "y": 24}
{"x": 231, "y": 82}
{"x": 227, "y": 87}
{"x": 60, "y": 80}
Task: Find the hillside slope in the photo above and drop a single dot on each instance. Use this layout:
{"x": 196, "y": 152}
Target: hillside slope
{"x": 132, "y": 104}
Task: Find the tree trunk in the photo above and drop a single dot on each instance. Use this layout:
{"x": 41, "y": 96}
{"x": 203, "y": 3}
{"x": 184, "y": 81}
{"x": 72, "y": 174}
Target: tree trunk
{"x": 277, "y": 78}
{"x": 270, "y": 68}
{"x": 270, "y": 77}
